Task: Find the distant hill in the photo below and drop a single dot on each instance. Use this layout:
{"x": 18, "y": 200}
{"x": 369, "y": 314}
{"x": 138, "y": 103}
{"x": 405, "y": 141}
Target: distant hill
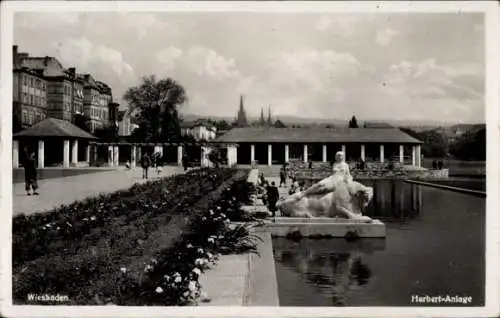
{"x": 292, "y": 120}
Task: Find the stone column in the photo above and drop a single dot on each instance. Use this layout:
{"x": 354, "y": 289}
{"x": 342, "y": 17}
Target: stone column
{"x": 133, "y": 160}
{"x": 74, "y": 153}
{"x": 87, "y": 154}
{"x": 363, "y": 152}
{"x": 160, "y": 150}
{"x": 381, "y": 153}
{"x": 287, "y": 153}
{"x": 344, "y": 151}
{"x": 269, "y": 155}
{"x": 66, "y": 154}
{"x": 95, "y": 153}
{"x": 324, "y": 153}
{"x": 229, "y": 156}
{"x": 413, "y": 158}
{"x": 252, "y": 153}
{"x": 139, "y": 153}
{"x": 179, "y": 155}
{"x": 305, "y": 154}
{"x": 116, "y": 154}
{"x": 401, "y": 154}
{"x": 419, "y": 156}
{"x": 110, "y": 156}
{"x": 15, "y": 154}
{"x": 204, "y": 156}
{"x": 41, "y": 154}
{"x": 235, "y": 154}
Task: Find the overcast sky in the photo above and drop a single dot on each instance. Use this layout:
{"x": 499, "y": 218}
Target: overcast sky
{"x": 421, "y": 66}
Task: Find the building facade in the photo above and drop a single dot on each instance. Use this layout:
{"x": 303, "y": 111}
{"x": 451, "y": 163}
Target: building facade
{"x": 198, "y": 131}
{"x": 124, "y": 123}
{"x": 43, "y": 88}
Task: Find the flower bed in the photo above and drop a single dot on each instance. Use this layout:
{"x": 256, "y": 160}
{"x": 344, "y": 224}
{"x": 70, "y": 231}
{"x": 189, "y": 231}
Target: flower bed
{"x": 77, "y": 250}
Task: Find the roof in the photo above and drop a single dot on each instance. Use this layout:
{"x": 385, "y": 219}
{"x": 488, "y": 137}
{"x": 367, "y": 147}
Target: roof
{"x": 317, "y": 134}
{"x": 50, "y": 65}
{"x": 376, "y": 125}
{"x": 53, "y": 127}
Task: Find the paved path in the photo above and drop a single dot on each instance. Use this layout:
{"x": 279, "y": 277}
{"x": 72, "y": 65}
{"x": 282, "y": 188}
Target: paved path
{"x": 58, "y": 191}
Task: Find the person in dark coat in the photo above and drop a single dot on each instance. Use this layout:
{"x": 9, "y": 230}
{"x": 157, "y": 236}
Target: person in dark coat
{"x": 30, "y": 174}
{"x": 145, "y": 163}
{"x": 434, "y": 164}
{"x": 185, "y": 162}
{"x": 272, "y": 198}
{"x": 282, "y": 177}
{"x": 440, "y": 165}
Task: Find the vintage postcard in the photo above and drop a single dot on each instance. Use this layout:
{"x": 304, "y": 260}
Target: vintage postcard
{"x": 264, "y": 159}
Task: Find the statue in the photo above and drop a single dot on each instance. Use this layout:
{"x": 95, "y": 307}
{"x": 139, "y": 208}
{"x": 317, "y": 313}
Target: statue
{"x": 335, "y": 196}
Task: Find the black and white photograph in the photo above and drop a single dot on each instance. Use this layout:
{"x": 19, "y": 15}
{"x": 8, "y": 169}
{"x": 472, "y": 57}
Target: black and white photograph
{"x": 258, "y": 159}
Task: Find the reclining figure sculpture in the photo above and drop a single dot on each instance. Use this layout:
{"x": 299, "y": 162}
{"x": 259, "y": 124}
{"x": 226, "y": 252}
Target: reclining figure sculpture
{"x": 336, "y": 196}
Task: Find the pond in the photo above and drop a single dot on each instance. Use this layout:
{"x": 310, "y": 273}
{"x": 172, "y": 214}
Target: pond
{"x": 434, "y": 246}
{"x": 18, "y": 174}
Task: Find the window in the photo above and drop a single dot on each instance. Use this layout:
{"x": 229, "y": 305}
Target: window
{"x": 43, "y": 86}
{"x": 38, "y": 117}
{"x": 43, "y": 101}
{"x": 31, "y": 99}
{"x": 24, "y": 117}
{"x": 30, "y": 118}
{"x": 25, "y": 80}
{"x": 25, "y": 97}
{"x": 31, "y": 81}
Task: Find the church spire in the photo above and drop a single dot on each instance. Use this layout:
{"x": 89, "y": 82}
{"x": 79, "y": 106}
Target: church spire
{"x": 262, "y": 121}
{"x": 242, "y": 117}
{"x": 269, "y": 121}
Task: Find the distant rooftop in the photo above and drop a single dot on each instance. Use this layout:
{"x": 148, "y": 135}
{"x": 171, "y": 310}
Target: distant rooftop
{"x": 317, "y": 134}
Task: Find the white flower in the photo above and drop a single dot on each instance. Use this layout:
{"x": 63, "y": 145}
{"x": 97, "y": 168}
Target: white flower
{"x": 154, "y": 261}
{"x": 209, "y": 255}
{"x": 189, "y": 245}
{"x": 166, "y": 277}
{"x": 200, "y": 250}
{"x": 178, "y": 279}
{"x": 218, "y": 208}
{"x": 222, "y": 215}
{"x": 48, "y": 225}
{"x": 176, "y": 274}
{"x": 123, "y": 270}
{"x": 221, "y": 237}
{"x": 58, "y": 228}
{"x": 148, "y": 268}
{"x": 186, "y": 293}
{"x": 203, "y": 218}
{"x": 211, "y": 212}
{"x": 192, "y": 286}
{"x": 197, "y": 271}
{"x": 85, "y": 219}
{"x": 92, "y": 218}
{"x": 211, "y": 240}
{"x": 159, "y": 290}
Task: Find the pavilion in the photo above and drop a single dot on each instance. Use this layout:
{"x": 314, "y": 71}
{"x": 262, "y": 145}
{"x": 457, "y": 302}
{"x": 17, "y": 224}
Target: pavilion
{"x": 279, "y": 145}
{"x": 58, "y": 134}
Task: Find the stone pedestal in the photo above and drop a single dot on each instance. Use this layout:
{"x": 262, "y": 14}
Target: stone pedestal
{"x": 15, "y": 154}
{"x": 41, "y": 154}
{"x": 326, "y": 227}
{"x": 66, "y": 154}
{"x": 74, "y": 153}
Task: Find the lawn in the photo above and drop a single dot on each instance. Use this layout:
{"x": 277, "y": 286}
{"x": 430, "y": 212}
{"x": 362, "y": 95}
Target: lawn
{"x": 95, "y": 251}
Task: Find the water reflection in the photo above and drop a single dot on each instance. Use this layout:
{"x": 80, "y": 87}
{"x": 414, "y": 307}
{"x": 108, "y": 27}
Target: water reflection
{"x": 424, "y": 227}
{"x": 394, "y": 200}
{"x": 335, "y": 267}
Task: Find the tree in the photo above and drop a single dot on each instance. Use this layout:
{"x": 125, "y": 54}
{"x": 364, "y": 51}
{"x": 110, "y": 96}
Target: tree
{"x": 106, "y": 134}
{"x": 82, "y": 122}
{"x": 279, "y": 124}
{"x": 470, "y": 146}
{"x": 353, "y": 123}
{"x": 222, "y": 125}
{"x": 157, "y": 104}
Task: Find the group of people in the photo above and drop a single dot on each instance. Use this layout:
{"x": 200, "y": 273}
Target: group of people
{"x": 437, "y": 165}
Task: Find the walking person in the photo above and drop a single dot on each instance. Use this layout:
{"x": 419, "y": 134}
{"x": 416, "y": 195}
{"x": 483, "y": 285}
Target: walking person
{"x": 282, "y": 176}
{"x": 145, "y": 163}
{"x": 272, "y": 198}
{"x": 185, "y": 162}
{"x": 30, "y": 174}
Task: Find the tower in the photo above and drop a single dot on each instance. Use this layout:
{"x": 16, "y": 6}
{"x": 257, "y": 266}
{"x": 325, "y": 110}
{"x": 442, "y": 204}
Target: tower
{"x": 241, "y": 120}
{"x": 269, "y": 121}
{"x": 262, "y": 121}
